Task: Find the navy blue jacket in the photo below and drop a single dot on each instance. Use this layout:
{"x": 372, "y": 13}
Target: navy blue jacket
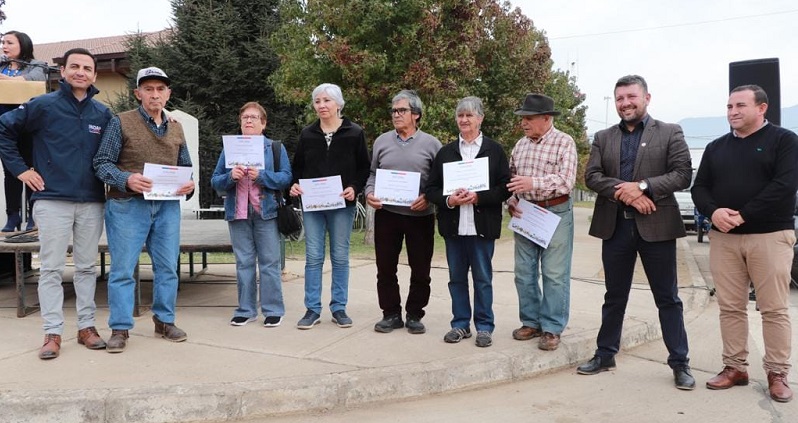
{"x": 488, "y": 210}
{"x": 66, "y": 134}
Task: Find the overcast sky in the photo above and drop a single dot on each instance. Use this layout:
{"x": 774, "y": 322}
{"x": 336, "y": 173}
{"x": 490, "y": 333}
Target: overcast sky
{"x": 682, "y": 47}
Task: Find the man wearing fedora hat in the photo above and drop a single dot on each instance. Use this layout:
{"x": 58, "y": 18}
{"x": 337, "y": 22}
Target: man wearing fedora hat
{"x": 635, "y": 167}
{"x": 543, "y": 167}
{"x": 134, "y": 138}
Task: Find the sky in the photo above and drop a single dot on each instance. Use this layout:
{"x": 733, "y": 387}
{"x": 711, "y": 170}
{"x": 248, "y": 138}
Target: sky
{"x": 681, "y": 47}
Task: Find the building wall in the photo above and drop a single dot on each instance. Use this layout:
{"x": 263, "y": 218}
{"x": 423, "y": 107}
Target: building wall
{"x": 110, "y": 85}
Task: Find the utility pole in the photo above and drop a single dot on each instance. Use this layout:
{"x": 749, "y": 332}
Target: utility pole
{"x": 606, "y": 111}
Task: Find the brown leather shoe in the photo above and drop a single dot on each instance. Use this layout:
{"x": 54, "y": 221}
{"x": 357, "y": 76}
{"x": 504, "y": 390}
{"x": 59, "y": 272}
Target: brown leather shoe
{"x": 90, "y": 338}
{"x": 169, "y": 331}
{"x": 727, "y": 378}
{"x": 51, "y": 347}
{"x": 117, "y": 342}
{"x": 549, "y": 341}
{"x": 777, "y": 386}
{"x": 525, "y": 333}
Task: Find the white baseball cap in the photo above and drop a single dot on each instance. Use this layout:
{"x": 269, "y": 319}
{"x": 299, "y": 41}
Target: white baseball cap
{"x": 152, "y": 73}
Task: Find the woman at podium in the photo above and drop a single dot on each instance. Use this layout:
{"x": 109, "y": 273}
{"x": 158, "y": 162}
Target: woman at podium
{"x": 17, "y": 64}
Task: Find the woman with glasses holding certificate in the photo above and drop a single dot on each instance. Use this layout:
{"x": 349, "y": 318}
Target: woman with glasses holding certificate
{"x": 332, "y": 146}
{"x": 251, "y": 210}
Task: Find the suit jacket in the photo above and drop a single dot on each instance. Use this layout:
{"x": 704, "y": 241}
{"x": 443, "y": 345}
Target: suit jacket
{"x": 663, "y": 159}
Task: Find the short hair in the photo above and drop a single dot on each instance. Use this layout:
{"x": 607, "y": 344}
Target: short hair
{"x": 627, "y": 80}
{"x": 331, "y": 90}
{"x": 760, "y": 96}
{"x": 416, "y": 106}
{"x": 255, "y": 104}
{"x": 82, "y": 51}
{"x": 25, "y": 45}
{"x": 470, "y": 104}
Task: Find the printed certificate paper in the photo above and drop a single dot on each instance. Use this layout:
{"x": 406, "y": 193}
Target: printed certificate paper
{"x": 166, "y": 180}
{"x": 469, "y": 174}
{"x": 322, "y": 193}
{"x": 536, "y": 223}
{"x": 397, "y": 187}
{"x": 243, "y": 150}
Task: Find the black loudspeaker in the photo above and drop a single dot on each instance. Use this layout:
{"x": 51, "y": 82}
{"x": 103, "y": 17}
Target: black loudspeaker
{"x": 762, "y": 72}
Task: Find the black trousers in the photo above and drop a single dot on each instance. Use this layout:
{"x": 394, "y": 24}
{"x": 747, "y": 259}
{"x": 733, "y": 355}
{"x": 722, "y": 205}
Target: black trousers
{"x": 12, "y": 185}
{"x": 619, "y": 255}
{"x": 390, "y": 230}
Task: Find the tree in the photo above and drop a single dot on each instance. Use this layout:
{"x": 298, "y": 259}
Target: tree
{"x": 219, "y": 57}
{"x": 444, "y": 49}
{"x": 2, "y": 14}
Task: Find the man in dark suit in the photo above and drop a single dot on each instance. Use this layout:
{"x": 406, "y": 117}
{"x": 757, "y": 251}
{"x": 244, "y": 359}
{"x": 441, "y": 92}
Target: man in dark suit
{"x": 635, "y": 167}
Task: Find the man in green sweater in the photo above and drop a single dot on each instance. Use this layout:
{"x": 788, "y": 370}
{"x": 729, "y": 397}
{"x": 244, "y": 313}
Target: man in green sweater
{"x": 407, "y": 149}
{"x": 746, "y": 183}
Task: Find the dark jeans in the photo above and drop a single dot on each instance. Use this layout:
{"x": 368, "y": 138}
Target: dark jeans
{"x": 619, "y": 255}
{"x": 476, "y": 253}
{"x": 418, "y": 233}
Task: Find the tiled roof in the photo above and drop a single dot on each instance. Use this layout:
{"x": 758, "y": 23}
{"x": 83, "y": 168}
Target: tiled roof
{"x": 97, "y": 46}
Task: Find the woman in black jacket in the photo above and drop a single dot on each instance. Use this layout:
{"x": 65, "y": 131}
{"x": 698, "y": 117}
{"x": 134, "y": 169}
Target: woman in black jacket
{"x": 470, "y": 222}
{"x": 330, "y": 146}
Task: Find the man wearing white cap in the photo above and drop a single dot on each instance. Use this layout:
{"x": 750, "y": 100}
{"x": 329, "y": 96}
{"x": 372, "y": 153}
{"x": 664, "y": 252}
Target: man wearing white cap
{"x": 132, "y": 139}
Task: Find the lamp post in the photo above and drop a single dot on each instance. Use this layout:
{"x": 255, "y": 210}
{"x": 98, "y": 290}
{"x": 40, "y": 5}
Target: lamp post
{"x": 606, "y": 111}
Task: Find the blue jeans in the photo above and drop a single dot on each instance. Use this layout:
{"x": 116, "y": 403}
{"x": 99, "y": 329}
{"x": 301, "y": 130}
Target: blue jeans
{"x": 547, "y": 310}
{"x": 338, "y": 223}
{"x": 254, "y": 241}
{"x": 463, "y": 252}
{"x": 130, "y": 223}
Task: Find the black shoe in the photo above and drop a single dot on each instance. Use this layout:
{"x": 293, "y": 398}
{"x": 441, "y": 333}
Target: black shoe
{"x": 389, "y": 323}
{"x": 683, "y": 378}
{"x": 596, "y": 365}
{"x": 414, "y": 325}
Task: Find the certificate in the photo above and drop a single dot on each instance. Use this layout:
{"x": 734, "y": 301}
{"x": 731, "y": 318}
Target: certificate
{"x": 469, "y": 174}
{"x": 322, "y": 193}
{"x": 243, "y": 150}
{"x": 536, "y": 223}
{"x": 166, "y": 180}
{"x": 397, "y": 187}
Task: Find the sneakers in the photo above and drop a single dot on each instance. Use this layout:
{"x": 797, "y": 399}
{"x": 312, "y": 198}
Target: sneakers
{"x": 414, "y": 325}
{"x": 310, "y": 319}
{"x": 484, "y": 339}
{"x": 241, "y": 320}
{"x": 456, "y": 335}
{"x": 272, "y": 321}
{"x": 389, "y": 323}
{"x": 341, "y": 319}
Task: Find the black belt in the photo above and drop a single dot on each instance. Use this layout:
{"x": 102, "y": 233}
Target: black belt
{"x": 628, "y": 214}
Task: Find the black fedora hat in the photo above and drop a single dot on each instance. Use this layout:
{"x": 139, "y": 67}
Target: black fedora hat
{"x": 537, "y": 104}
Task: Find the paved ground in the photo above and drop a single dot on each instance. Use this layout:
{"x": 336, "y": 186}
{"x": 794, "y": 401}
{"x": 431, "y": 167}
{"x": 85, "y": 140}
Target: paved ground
{"x": 639, "y": 390}
{"x": 224, "y": 373}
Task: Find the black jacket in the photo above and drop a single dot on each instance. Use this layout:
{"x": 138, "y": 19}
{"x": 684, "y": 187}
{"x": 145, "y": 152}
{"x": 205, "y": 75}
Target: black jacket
{"x": 488, "y": 210}
{"x": 347, "y": 155}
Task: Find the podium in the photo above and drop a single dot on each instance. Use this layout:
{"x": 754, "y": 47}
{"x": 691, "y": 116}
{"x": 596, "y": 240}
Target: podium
{"x": 18, "y": 92}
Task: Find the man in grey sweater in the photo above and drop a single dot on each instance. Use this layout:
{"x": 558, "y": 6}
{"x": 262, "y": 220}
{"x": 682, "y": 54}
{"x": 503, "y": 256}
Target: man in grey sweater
{"x": 406, "y": 149}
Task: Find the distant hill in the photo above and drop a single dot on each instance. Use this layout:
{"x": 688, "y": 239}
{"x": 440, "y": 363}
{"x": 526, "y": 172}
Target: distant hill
{"x": 701, "y": 131}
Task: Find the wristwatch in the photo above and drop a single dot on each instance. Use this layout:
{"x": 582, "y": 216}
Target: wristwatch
{"x": 643, "y": 185}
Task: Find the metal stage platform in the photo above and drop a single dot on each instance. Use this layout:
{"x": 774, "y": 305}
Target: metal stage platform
{"x": 196, "y": 236}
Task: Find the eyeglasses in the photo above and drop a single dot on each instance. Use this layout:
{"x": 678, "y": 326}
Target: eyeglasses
{"x": 250, "y": 117}
{"x": 400, "y": 111}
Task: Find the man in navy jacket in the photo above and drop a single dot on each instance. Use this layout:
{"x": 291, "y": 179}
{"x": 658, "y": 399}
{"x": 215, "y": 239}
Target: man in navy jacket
{"x": 65, "y": 126}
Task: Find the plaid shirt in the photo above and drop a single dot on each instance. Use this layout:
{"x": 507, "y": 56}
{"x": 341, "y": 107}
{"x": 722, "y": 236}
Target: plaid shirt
{"x": 550, "y": 161}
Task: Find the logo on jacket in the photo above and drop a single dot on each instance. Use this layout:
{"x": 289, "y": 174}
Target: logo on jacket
{"x": 94, "y": 129}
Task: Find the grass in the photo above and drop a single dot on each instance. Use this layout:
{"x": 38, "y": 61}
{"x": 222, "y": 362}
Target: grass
{"x": 358, "y": 249}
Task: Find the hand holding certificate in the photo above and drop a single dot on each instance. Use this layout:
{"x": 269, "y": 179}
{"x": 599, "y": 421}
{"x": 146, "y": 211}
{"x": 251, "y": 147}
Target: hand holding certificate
{"x": 322, "y": 193}
{"x": 167, "y": 181}
{"x": 471, "y": 175}
{"x": 396, "y": 187}
{"x": 536, "y": 223}
{"x": 243, "y": 150}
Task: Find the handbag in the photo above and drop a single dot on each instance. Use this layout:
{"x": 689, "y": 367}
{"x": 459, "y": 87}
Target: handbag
{"x": 289, "y": 221}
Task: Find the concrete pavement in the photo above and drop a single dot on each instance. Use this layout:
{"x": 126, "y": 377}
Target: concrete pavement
{"x": 225, "y": 373}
